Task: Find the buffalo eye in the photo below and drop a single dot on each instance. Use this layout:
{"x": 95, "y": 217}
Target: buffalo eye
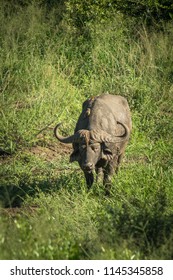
{"x": 82, "y": 148}
{"x": 95, "y": 148}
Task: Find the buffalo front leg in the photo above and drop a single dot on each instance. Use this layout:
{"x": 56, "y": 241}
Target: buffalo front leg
{"x": 120, "y": 157}
{"x": 89, "y": 178}
{"x": 99, "y": 172}
{"x": 108, "y": 173}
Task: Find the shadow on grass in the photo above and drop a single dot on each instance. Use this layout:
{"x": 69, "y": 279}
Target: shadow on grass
{"x": 13, "y": 195}
{"x": 148, "y": 224}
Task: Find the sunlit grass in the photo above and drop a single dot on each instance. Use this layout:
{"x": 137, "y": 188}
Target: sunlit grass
{"x": 46, "y": 73}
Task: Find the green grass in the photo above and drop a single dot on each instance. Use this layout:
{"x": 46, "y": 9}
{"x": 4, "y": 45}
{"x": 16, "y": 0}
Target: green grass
{"x": 47, "y": 70}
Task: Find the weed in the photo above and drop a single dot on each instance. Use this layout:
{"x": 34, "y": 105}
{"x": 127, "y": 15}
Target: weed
{"x": 47, "y": 70}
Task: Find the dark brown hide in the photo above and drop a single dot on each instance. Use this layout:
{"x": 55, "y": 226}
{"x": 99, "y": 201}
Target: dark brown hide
{"x": 100, "y": 136}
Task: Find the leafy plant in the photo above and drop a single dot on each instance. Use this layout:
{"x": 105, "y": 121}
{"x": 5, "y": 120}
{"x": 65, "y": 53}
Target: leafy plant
{"x": 51, "y": 61}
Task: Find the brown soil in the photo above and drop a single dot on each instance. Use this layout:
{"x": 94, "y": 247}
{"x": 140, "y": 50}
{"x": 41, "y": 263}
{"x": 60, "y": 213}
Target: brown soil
{"x": 51, "y": 152}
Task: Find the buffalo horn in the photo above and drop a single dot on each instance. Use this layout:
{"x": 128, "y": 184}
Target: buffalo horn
{"x": 109, "y": 138}
{"x": 66, "y": 140}
{"x": 124, "y": 136}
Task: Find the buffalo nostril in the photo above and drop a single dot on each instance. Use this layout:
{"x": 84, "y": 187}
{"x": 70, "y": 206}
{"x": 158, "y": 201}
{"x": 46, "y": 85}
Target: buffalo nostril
{"x": 88, "y": 166}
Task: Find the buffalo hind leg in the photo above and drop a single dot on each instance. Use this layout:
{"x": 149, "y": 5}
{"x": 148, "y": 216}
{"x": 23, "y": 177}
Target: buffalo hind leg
{"x": 89, "y": 178}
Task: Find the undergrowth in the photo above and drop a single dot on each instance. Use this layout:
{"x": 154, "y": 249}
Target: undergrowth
{"x": 47, "y": 70}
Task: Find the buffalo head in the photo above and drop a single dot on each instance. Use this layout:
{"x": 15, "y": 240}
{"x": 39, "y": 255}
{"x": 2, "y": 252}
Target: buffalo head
{"x": 91, "y": 146}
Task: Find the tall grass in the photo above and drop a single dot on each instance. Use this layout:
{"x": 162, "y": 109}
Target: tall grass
{"x": 47, "y": 70}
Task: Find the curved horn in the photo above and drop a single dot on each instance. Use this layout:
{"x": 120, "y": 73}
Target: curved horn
{"x": 124, "y": 136}
{"x": 66, "y": 140}
{"x": 102, "y": 136}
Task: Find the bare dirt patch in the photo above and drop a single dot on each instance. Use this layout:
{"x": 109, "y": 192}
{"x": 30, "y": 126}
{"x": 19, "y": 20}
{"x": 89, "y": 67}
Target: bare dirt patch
{"x": 51, "y": 152}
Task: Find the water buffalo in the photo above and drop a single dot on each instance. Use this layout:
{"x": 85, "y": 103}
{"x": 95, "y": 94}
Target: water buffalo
{"x": 100, "y": 137}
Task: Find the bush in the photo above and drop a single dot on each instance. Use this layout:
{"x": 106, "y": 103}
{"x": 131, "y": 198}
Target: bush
{"x": 49, "y": 66}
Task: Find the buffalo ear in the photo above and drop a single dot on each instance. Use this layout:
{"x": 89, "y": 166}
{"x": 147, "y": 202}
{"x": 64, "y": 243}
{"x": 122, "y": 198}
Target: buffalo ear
{"x": 107, "y": 153}
{"x": 74, "y": 156}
